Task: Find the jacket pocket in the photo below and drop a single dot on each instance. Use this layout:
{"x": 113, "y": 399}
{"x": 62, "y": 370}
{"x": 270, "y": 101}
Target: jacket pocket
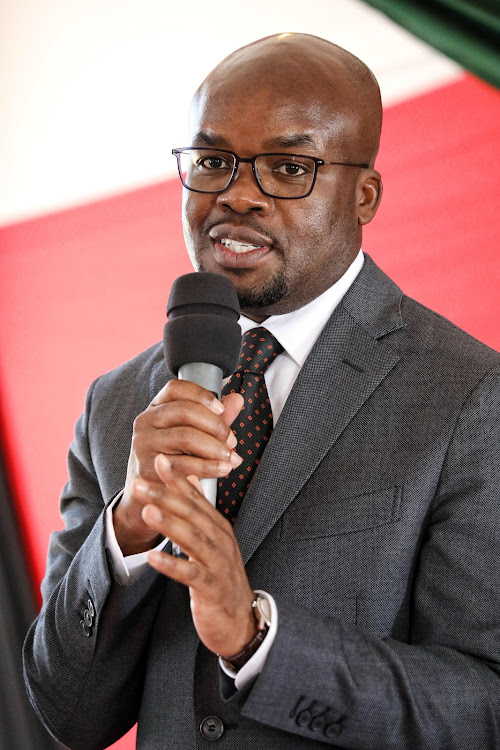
{"x": 333, "y": 516}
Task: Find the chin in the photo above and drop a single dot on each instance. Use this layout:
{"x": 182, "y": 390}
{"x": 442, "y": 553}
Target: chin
{"x": 265, "y": 296}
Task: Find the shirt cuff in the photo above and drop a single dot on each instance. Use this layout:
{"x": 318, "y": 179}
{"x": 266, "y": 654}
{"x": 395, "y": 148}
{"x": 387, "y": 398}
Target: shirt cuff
{"x": 129, "y": 568}
{"x": 255, "y": 664}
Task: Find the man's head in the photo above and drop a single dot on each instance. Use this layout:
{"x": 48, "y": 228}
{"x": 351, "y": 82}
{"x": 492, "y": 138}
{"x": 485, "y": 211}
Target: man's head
{"x": 292, "y": 94}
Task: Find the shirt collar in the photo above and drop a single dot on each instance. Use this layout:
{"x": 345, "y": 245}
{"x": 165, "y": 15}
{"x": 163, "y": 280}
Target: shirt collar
{"x": 298, "y": 330}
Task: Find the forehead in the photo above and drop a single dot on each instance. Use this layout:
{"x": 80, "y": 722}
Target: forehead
{"x": 268, "y": 118}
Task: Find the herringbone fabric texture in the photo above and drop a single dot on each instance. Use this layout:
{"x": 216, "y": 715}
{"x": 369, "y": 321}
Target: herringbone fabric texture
{"x": 254, "y": 424}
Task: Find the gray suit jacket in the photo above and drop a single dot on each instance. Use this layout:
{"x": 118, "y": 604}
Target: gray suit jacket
{"x": 373, "y": 519}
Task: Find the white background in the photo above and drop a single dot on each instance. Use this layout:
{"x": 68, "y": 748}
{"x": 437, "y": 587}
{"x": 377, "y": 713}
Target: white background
{"x": 94, "y": 93}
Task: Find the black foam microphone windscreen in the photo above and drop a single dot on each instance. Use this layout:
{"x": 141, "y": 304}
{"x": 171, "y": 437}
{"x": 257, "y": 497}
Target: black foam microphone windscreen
{"x": 203, "y": 312}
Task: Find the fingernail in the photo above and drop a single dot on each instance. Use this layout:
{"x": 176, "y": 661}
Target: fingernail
{"x": 231, "y": 440}
{"x": 217, "y": 406}
{"x": 152, "y": 513}
{"x": 155, "y": 557}
{"x": 141, "y": 486}
{"x": 224, "y": 468}
{"x": 145, "y": 488}
{"x": 235, "y": 460}
{"x": 163, "y": 461}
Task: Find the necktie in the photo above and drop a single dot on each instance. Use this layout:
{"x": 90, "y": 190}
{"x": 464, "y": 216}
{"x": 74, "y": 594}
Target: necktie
{"x": 254, "y": 424}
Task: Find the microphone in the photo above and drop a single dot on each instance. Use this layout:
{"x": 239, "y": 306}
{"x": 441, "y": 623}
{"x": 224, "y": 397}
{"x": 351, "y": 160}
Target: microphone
{"x": 202, "y": 339}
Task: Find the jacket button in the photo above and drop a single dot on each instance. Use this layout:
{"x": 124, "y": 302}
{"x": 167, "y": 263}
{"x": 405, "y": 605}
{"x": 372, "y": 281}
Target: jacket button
{"x": 332, "y": 730}
{"x": 85, "y": 628}
{"x": 87, "y": 618}
{"x": 212, "y": 728}
{"x": 90, "y": 608}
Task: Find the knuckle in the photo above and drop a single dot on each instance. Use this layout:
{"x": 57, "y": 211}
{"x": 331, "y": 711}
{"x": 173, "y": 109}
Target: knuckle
{"x": 171, "y": 387}
{"x": 209, "y": 578}
{"x": 138, "y": 423}
{"x": 222, "y": 431}
{"x": 183, "y": 412}
{"x": 183, "y": 436}
{"x": 198, "y": 536}
{"x": 194, "y": 573}
{"x": 178, "y": 462}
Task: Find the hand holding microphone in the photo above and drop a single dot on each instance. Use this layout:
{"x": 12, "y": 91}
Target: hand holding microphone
{"x": 185, "y": 421}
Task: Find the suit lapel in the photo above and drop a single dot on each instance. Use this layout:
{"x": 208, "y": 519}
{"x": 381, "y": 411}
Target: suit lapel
{"x": 343, "y": 369}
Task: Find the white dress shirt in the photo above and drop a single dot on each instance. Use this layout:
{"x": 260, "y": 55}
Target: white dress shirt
{"x": 297, "y": 333}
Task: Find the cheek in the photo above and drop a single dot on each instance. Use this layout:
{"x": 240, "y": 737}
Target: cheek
{"x": 188, "y": 211}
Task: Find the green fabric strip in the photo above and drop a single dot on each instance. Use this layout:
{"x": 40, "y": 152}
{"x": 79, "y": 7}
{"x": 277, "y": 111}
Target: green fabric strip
{"x": 465, "y": 31}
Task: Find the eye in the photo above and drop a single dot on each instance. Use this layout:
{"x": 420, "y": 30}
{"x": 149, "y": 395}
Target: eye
{"x": 213, "y": 162}
{"x": 292, "y": 169}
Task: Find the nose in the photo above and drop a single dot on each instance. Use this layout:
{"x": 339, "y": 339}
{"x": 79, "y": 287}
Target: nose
{"x": 244, "y": 195}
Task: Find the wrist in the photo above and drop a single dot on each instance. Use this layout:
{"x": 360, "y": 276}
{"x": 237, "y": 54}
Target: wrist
{"x": 261, "y": 612}
{"x": 130, "y": 540}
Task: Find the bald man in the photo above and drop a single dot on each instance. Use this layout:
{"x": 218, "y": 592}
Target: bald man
{"x": 355, "y": 600}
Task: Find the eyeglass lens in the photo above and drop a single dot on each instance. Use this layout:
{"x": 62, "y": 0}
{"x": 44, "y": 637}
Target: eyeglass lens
{"x": 280, "y": 175}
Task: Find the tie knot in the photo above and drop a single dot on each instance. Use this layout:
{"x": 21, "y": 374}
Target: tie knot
{"x": 258, "y": 349}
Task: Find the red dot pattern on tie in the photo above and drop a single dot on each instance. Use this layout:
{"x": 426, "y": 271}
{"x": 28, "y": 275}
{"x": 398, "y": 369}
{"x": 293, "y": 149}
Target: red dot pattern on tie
{"x": 254, "y": 425}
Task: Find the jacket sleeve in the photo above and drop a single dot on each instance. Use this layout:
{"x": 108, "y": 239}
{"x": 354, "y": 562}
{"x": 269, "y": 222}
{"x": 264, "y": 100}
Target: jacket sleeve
{"x": 88, "y": 643}
{"x": 344, "y": 686}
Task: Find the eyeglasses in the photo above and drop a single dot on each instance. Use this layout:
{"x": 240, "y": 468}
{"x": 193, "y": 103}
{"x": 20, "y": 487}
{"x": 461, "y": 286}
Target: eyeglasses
{"x": 288, "y": 176}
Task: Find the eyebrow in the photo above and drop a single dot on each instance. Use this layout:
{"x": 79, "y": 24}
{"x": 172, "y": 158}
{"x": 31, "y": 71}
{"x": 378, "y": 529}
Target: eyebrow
{"x": 290, "y": 140}
{"x": 209, "y": 139}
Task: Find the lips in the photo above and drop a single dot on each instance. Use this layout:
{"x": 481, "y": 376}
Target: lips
{"x": 239, "y": 237}
{"x": 239, "y": 246}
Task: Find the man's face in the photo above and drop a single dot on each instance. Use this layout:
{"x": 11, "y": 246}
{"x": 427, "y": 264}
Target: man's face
{"x": 280, "y": 254}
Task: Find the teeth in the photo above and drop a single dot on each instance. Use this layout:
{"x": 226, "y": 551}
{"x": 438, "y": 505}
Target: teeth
{"x": 238, "y": 247}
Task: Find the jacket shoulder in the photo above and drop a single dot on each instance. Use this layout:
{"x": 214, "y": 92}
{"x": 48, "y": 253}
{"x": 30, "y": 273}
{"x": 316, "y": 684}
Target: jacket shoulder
{"x": 437, "y": 337}
{"x": 144, "y": 374}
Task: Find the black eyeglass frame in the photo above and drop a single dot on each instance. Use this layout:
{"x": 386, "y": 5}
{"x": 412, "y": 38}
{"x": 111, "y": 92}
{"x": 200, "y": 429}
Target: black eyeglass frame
{"x": 240, "y": 160}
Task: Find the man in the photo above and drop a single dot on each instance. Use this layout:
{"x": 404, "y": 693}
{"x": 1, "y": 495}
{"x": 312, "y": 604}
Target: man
{"x": 371, "y": 525}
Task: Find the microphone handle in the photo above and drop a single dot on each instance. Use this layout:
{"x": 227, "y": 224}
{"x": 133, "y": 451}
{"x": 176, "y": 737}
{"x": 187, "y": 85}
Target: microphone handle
{"x": 210, "y": 377}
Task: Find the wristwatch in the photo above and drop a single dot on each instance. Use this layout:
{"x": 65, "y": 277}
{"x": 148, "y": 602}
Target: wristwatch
{"x": 261, "y": 609}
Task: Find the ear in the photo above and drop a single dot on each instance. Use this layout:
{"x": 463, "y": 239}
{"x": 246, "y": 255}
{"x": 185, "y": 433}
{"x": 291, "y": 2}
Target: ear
{"x": 368, "y": 194}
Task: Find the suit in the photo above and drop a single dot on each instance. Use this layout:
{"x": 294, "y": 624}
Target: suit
{"x": 374, "y": 521}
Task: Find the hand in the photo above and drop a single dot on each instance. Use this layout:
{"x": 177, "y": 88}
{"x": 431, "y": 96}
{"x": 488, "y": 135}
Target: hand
{"x": 188, "y": 424}
{"x": 221, "y": 596}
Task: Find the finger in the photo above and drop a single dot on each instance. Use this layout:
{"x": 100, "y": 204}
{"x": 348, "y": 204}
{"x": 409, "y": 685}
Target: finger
{"x": 201, "y": 467}
{"x": 233, "y": 404}
{"x": 180, "y": 497}
{"x": 188, "y": 572}
{"x": 196, "y": 483}
{"x": 194, "y": 541}
{"x": 184, "y": 499}
{"x": 189, "y": 441}
{"x": 176, "y": 390}
{"x": 146, "y": 492}
{"x": 186, "y": 413}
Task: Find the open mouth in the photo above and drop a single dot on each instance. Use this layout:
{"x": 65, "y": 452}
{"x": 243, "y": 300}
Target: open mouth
{"x": 238, "y": 247}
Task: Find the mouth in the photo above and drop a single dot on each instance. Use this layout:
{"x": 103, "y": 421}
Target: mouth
{"x": 238, "y": 246}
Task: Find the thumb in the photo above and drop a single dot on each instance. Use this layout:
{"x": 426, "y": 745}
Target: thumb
{"x": 233, "y": 404}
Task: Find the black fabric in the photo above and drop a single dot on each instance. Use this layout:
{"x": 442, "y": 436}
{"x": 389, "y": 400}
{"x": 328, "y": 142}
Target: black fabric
{"x": 191, "y": 292}
{"x": 202, "y": 338}
{"x": 19, "y": 726}
{"x": 203, "y": 311}
{"x": 254, "y": 424}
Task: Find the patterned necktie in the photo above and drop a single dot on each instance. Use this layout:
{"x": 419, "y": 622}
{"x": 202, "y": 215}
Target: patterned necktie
{"x": 254, "y": 424}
